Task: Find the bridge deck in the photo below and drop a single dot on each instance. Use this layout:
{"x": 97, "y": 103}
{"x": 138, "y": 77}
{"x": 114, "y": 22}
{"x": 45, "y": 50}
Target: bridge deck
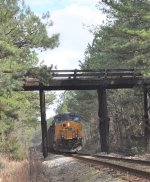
{"x": 89, "y": 80}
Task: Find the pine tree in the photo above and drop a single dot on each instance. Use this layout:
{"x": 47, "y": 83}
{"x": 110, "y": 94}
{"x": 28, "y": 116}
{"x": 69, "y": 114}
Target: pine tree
{"x": 21, "y": 34}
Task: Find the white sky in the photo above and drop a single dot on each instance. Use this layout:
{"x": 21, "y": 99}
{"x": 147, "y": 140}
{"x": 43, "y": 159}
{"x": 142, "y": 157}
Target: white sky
{"x": 68, "y": 17}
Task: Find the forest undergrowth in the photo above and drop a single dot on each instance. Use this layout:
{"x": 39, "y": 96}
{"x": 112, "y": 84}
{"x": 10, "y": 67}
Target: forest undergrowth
{"x": 20, "y": 170}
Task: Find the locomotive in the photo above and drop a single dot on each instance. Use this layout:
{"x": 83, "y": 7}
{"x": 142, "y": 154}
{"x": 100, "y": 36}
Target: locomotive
{"x": 65, "y": 133}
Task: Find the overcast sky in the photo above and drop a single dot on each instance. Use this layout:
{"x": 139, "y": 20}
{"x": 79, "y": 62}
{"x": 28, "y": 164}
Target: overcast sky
{"x": 68, "y": 17}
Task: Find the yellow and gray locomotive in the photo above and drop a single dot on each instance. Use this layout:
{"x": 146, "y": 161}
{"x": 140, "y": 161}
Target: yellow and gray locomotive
{"x": 65, "y": 133}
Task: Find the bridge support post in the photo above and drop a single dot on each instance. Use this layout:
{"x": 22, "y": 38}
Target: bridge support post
{"x": 103, "y": 120}
{"x": 146, "y": 122}
{"x": 43, "y": 123}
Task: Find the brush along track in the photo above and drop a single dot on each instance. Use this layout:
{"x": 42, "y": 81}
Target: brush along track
{"x": 137, "y": 167}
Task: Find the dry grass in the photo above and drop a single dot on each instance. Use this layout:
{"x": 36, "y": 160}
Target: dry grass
{"x": 14, "y": 171}
{"x": 21, "y": 171}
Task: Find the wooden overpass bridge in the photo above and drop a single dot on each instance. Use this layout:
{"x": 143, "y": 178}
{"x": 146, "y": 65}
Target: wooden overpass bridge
{"x": 91, "y": 80}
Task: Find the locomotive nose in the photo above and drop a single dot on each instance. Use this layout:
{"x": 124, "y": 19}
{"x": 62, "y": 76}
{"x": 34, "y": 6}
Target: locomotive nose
{"x": 66, "y": 124}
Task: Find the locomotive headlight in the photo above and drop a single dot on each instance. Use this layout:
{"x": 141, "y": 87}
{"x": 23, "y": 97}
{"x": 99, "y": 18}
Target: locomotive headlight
{"x": 68, "y": 124}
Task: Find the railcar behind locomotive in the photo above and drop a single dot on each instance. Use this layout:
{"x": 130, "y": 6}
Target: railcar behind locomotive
{"x": 65, "y": 133}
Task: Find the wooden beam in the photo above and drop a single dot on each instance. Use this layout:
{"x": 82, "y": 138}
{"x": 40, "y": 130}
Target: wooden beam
{"x": 82, "y": 84}
{"x": 43, "y": 123}
{"x": 103, "y": 120}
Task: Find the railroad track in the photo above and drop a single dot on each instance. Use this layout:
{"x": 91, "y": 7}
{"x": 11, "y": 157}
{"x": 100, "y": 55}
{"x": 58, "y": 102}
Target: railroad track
{"x": 136, "y": 161}
{"x": 136, "y": 167}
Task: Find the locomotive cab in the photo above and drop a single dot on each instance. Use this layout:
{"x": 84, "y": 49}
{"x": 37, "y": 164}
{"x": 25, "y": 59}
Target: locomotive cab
{"x": 68, "y": 132}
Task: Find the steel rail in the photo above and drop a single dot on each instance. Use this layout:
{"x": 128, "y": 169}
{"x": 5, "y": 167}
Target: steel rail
{"x": 141, "y": 173}
{"x": 137, "y": 161}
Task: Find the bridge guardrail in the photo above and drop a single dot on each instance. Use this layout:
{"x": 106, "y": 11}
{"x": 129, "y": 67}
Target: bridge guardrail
{"x": 103, "y": 73}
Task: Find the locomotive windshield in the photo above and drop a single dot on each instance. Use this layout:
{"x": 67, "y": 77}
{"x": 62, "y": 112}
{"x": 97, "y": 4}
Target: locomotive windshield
{"x": 67, "y": 117}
